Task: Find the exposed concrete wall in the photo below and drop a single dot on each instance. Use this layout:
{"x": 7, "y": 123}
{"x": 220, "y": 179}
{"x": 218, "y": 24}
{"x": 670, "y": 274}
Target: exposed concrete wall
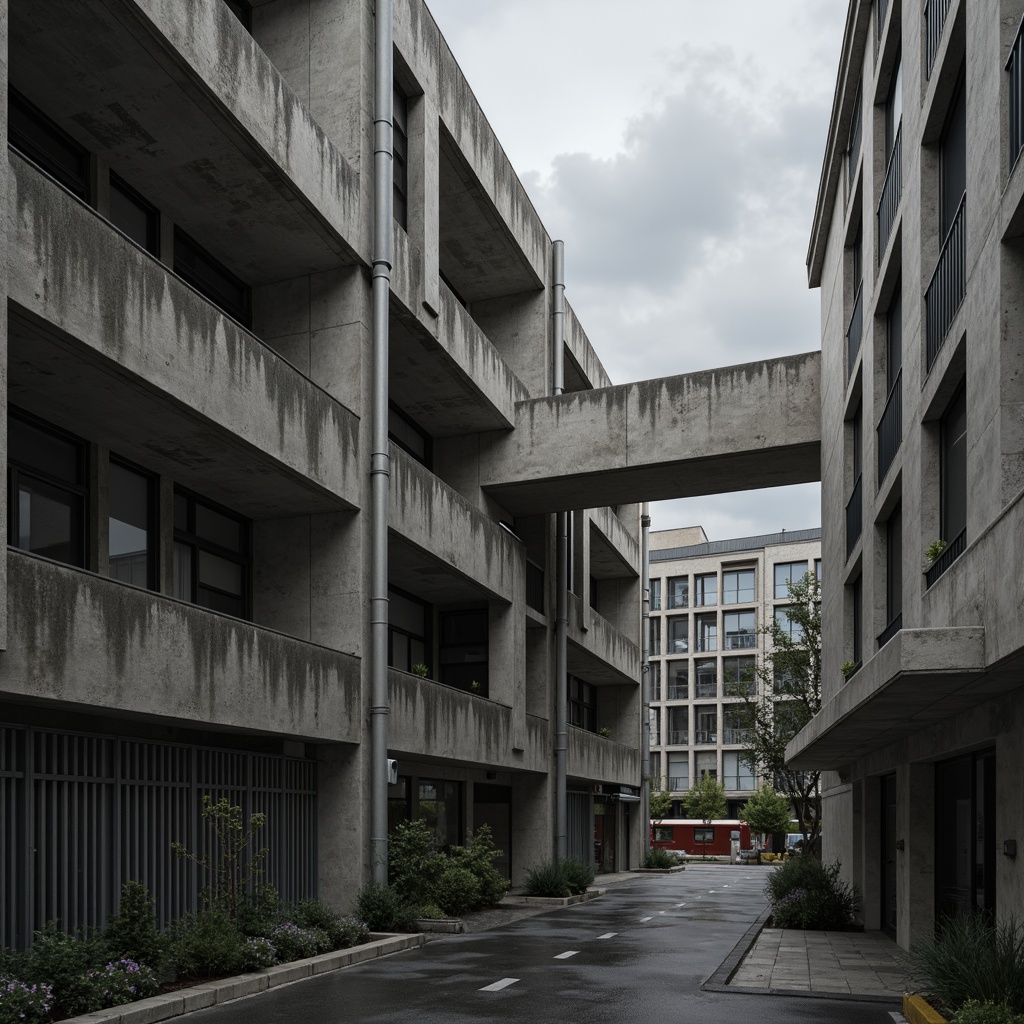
{"x": 594, "y": 757}
{"x": 584, "y": 359}
{"x": 79, "y": 640}
{"x": 615, "y": 657}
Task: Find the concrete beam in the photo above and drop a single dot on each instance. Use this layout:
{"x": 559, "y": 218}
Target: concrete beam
{"x": 730, "y": 429}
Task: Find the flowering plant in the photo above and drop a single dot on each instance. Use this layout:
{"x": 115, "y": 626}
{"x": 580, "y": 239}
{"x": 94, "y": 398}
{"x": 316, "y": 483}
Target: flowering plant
{"x": 123, "y": 981}
{"x": 293, "y": 942}
{"x": 24, "y": 1004}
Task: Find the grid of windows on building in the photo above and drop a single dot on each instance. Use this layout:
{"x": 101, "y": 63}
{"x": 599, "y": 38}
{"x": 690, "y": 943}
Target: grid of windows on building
{"x": 678, "y": 592}
{"x": 678, "y": 680}
{"x": 705, "y": 590}
{"x": 786, "y": 574}
{"x": 582, "y": 704}
{"x": 738, "y": 586}
{"x": 740, "y": 630}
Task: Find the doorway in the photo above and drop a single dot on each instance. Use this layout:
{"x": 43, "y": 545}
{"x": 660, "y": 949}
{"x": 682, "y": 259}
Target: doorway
{"x": 887, "y": 859}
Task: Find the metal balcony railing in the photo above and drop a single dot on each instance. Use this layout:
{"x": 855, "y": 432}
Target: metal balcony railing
{"x": 946, "y": 290}
{"x": 892, "y": 190}
{"x": 891, "y": 630}
{"x": 953, "y": 551}
{"x": 935, "y": 12}
{"x": 854, "y": 517}
{"x": 679, "y": 737}
{"x": 741, "y": 783}
{"x": 705, "y": 737}
{"x": 854, "y": 331}
{"x": 707, "y": 644}
{"x": 1015, "y": 69}
{"x": 534, "y": 586}
{"x": 706, "y": 690}
{"x": 679, "y": 783}
{"x": 890, "y": 427}
{"x": 740, "y": 641}
{"x": 733, "y": 734}
{"x": 678, "y": 691}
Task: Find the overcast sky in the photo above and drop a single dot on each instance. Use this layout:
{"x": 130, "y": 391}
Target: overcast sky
{"x": 675, "y": 146}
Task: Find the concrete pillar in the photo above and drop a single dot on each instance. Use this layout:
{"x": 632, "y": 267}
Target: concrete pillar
{"x": 870, "y": 876}
{"x": 341, "y": 825}
{"x": 532, "y": 812}
{"x": 915, "y": 866}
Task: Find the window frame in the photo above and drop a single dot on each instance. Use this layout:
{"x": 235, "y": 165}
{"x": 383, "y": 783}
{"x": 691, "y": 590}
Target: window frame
{"x": 790, "y": 579}
{"x": 677, "y": 597}
{"x": 80, "y": 185}
{"x": 152, "y": 519}
{"x": 152, "y": 243}
{"x": 737, "y": 572}
{"x": 186, "y": 245}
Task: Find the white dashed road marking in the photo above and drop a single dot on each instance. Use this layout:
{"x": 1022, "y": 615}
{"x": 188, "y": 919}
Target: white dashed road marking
{"x": 678, "y": 905}
{"x": 643, "y": 919}
{"x": 662, "y": 911}
{"x": 566, "y": 955}
{"x": 608, "y": 935}
{"x": 499, "y": 985}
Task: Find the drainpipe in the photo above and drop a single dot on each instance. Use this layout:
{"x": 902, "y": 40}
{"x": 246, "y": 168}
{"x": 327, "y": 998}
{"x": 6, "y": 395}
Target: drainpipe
{"x": 561, "y": 572}
{"x": 645, "y": 679}
{"x": 380, "y": 467}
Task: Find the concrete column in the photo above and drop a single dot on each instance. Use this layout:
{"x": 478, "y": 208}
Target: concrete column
{"x": 342, "y": 824}
{"x": 870, "y": 876}
{"x": 915, "y": 866}
{"x": 1010, "y": 815}
{"x": 532, "y": 810}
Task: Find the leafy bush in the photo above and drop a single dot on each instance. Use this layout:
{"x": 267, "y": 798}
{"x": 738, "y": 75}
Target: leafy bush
{"x": 353, "y": 932}
{"x": 295, "y": 943}
{"x": 658, "y": 857}
{"x": 341, "y": 932}
{"x": 206, "y": 945}
{"x": 579, "y": 875}
{"x": 132, "y": 934}
{"x": 383, "y": 910}
{"x": 547, "y": 879}
{"x": 123, "y": 981}
{"x": 430, "y": 912}
{"x": 66, "y": 963}
{"x": 21, "y": 1003}
{"x": 256, "y": 953}
{"x": 255, "y": 915}
{"x": 975, "y": 960}
{"x": 478, "y": 855}
{"x": 805, "y": 893}
{"x": 457, "y": 890}
{"x": 975, "y": 1012}
{"x": 414, "y": 863}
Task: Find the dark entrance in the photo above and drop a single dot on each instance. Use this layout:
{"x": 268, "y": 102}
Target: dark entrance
{"x": 888, "y": 854}
{"x": 965, "y": 843}
{"x": 492, "y": 805}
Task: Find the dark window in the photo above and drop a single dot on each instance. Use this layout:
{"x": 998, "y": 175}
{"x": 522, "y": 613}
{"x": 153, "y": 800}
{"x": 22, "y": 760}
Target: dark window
{"x": 678, "y": 725}
{"x": 242, "y": 11}
{"x": 410, "y": 436}
{"x": 655, "y": 645}
{"x": 857, "y": 253}
{"x": 35, "y": 136}
{"x": 655, "y": 595}
{"x": 787, "y": 573}
{"x": 131, "y": 525}
{"x": 408, "y": 631}
{"x": 740, "y": 630}
{"x": 46, "y": 488}
{"x": 707, "y": 633}
{"x": 655, "y": 680}
{"x": 706, "y": 728}
{"x": 131, "y": 214}
{"x": 401, "y": 155}
{"x": 953, "y": 467}
{"x": 894, "y": 564}
{"x": 738, "y": 586}
{"x": 663, "y": 833}
{"x": 953, "y": 162}
{"x": 706, "y": 683}
{"x": 738, "y": 676}
{"x": 678, "y": 634}
{"x": 894, "y": 109}
{"x": 817, "y": 569}
{"x": 212, "y": 559}
{"x": 463, "y": 650}
{"x": 894, "y": 338}
{"x": 856, "y": 595}
{"x": 705, "y": 590}
{"x": 582, "y": 704}
{"x": 595, "y": 594}
{"x": 678, "y": 679}
{"x": 195, "y": 265}
{"x": 679, "y": 592}
{"x": 439, "y": 804}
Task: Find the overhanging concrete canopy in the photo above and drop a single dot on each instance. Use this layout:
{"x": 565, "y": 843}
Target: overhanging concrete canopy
{"x": 730, "y": 429}
{"x": 918, "y": 677}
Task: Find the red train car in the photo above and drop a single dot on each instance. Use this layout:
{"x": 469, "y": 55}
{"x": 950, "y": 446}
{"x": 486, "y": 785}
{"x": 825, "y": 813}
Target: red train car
{"x": 697, "y": 838}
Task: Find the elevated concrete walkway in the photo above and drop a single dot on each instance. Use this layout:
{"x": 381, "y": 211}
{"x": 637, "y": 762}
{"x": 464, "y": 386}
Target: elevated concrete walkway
{"x": 729, "y": 429}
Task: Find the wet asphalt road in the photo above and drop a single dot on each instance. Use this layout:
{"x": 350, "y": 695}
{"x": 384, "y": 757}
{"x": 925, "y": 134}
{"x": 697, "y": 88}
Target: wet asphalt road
{"x": 638, "y": 954}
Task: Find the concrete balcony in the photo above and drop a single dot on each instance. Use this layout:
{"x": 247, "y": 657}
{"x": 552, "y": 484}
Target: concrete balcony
{"x": 600, "y": 654}
{"x": 603, "y": 760}
{"x": 440, "y": 723}
{"x": 613, "y": 552}
{"x": 98, "y": 325}
{"x": 216, "y": 139}
{"x": 91, "y": 645}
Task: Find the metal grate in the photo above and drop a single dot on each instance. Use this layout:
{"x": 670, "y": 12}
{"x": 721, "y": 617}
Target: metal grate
{"x": 946, "y": 289}
{"x": 890, "y": 631}
{"x": 854, "y": 331}
{"x": 890, "y": 428}
{"x": 952, "y": 552}
{"x": 935, "y": 12}
{"x": 892, "y": 191}
{"x": 80, "y": 814}
{"x": 854, "y": 516}
{"x": 1015, "y": 69}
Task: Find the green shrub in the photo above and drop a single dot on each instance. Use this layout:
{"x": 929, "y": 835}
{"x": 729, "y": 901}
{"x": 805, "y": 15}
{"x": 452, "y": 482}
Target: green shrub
{"x": 658, "y": 857}
{"x": 379, "y": 907}
{"x": 206, "y": 945}
{"x": 255, "y": 915}
{"x": 805, "y": 893}
{"x": 353, "y": 932}
{"x": 430, "y": 912}
{"x": 975, "y": 1012}
{"x": 579, "y": 875}
{"x": 547, "y": 879}
{"x": 22, "y": 1003}
{"x": 341, "y": 931}
{"x": 65, "y": 963}
{"x": 414, "y": 864}
{"x": 478, "y": 855}
{"x": 131, "y": 933}
{"x": 975, "y": 960}
{"x": 256, "y": 953}
{"x": 457, "y": 890}
{"x": 295, "y": 943}
{"x": 123, "y": 981}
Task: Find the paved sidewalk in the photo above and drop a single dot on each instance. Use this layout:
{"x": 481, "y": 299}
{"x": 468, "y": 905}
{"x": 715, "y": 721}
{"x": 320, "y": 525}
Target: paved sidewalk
{"x": 855, "y": 963}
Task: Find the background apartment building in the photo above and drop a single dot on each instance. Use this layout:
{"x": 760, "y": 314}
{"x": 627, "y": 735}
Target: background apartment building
{"x": 187, "y": 342}
{"x": 917, "y": 250}
{"x": 708, "y": 602}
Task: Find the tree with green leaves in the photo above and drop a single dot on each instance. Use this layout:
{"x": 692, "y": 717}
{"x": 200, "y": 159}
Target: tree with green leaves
{"x": 767, "y": 812}
{"x": 787, "y": 699}
{"x": 661, "y": 805}
{"x": 705, "y": 801}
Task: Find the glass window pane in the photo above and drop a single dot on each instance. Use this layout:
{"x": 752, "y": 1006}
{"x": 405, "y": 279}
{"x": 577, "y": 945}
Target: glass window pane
{"x": 129, "y": 525}
{"x": 136, "y": 219}
{"x": 218, "y": 572}
{"x": 218, "y": 528}
{"x": 678, "y": 634}
{"x": 49, "y": 522}
{"x": 655, "y": 595}
{"x": 52, "y": 455}
{"x": 679, "y": 592}
{"x": 182, "y": 571}
{"x": 738, "y": 586}
{"x": 705, "y": 590}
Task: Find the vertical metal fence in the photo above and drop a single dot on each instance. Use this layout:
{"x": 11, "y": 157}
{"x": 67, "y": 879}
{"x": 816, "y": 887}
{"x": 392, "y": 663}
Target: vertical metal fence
{"x": 890, "y": 427}
{"x": 81, "y": 814}
{"x": 946, "y": 289}
{"x": 935, "y": 12}
{"x": 892, "y": 190}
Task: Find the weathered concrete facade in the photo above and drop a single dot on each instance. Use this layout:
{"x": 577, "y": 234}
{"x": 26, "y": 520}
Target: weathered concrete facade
{"x": 916, "y": 248}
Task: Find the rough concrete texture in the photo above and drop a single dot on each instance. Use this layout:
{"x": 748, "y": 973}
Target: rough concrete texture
{"x": 78, "y": 640}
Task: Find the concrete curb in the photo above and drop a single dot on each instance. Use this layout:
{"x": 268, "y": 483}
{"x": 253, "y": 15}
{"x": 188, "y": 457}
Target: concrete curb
{"x": 719, "y": 980}
{"x": 660, "y": 871}
{"x": 554, "y": 901}
{"x": 441, "y": 925}
{"x": 174, "y": 1004}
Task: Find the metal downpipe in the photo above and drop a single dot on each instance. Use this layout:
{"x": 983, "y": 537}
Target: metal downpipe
{"x": 561, "y": 572}
{"x": 380, "y": 463}
{"x": 645, "y": 678}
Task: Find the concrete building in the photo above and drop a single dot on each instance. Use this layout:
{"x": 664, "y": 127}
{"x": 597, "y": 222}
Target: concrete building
{"x": 917, "y": 250}
{"x": 708, "y": 602}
